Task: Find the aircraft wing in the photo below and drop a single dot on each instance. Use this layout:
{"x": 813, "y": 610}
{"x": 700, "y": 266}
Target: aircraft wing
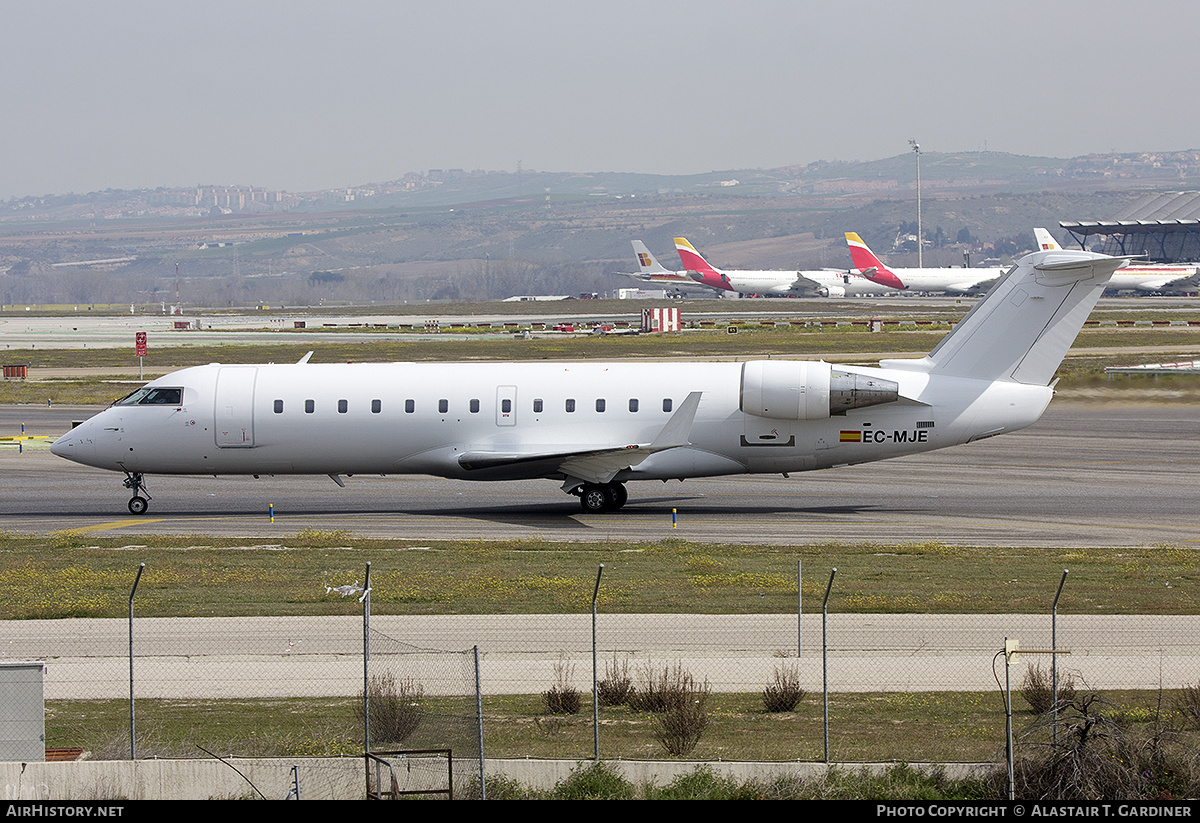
{"x": 972, "y": 286}
{"x": 593, "y": 465}
{"x": 805, "y": 284}
{"x": 1190, "y": 282}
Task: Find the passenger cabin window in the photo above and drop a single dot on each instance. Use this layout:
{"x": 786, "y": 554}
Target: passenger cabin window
{"x": 570, "y": 405}
{"x": 474, "y": 407}
{"x": 443, "y": 406}
{"x": 310, "y": 406}
{"x": 633, "y": 404}
{"x": 600, "y": 404}
{"x": 537, "y": 405}
{"x": 376, "y": 407}
{"x": 410, "y": 406}
{"x": 666, "y": 404}
{"x": 153, "y": 396}
{"x": 506, "y": 406}
{"x": 342, "y": 406}
{"x": 279, "y": 407}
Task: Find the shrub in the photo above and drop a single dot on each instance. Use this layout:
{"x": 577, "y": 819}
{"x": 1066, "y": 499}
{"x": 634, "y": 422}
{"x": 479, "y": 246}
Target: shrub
{"x": 783, "y": 694}
{"x": 1038, "y": 689}
{"x": 595, "y": 781}
{"x": 1187, "y": 703}
{"x": 1098, "y": 756}
{"x": 679, "y": 704}
{"x": 701, "y": 784}
{"x": 616, "y": 687}
{"x": 563, "y": 697}
{"x": 395, "y": 707}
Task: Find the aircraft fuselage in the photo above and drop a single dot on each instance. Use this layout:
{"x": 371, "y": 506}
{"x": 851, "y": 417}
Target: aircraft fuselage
{"x": 426, "y": 418}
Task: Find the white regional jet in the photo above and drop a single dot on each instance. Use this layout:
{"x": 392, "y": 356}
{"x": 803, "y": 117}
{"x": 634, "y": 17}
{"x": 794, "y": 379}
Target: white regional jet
{"x": 1141, "y": 277}
{"x": 795, "y": 283}
{"x": 651, "y": 271}
{"x": 596, "y": 426}
{"x": 952, "y": 280}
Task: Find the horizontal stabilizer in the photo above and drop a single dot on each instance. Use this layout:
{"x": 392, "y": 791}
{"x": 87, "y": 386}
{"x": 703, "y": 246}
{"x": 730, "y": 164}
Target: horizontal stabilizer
{"x": 1021, "y": 330}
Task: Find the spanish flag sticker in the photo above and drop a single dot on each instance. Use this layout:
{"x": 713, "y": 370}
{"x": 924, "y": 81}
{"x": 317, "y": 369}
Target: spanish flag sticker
{"x": 851, "y": 437}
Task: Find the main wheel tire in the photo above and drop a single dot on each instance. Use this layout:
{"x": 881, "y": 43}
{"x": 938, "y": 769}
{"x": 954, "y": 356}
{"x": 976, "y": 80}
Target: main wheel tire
{"x": 138, "y": 505}
{"x": 594, "y": 499}
{"x": 616, "y": 495}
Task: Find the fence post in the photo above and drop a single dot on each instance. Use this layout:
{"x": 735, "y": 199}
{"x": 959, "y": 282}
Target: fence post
{"x": 595, "y": 674}
{"x": 1054, "y": 651}
{"x": 479, "y": 726}
{"x": 825, "y": 656}
{"x": 366, "y": 601}
{"x": 132, "y": 592}
{"x": 799, "y": 613}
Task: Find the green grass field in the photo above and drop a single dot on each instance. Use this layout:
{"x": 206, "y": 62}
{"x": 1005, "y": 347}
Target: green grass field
{"x": 73, "y": 575}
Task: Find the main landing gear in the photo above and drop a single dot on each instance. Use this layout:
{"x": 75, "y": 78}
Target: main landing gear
{"x": 597, "y": 498}
{"x": 135, "y": 483}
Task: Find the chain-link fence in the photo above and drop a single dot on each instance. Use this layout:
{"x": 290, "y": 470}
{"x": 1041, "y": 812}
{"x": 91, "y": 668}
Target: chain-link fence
{"x": 910, "y": 687}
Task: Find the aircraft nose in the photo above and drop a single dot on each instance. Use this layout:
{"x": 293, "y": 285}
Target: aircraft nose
{"x": 65, "y": 445}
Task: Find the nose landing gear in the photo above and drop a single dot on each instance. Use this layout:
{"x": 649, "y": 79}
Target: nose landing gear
{"x": 135, "y": 483}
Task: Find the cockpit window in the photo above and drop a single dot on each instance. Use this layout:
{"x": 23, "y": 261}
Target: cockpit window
{"x": 153, "y": 396}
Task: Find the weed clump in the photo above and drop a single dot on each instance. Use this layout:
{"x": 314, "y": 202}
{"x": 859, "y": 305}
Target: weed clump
{"x": 563, "y": 697}
{"x": 1038, "y": 690}
{"x": 616, "y": 687}
{"x": 679, "y": 704}
{"x": 784, "y": 693}
{"x": 394, "y": 706}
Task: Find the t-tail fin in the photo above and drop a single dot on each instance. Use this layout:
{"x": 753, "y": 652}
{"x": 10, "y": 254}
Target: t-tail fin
{"x": 1022, "y": 329}
{"x": 870, "y": 266}
{"x": 646, "y": 262}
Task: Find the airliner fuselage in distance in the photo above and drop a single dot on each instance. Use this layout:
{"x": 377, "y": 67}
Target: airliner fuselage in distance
{"x": 595, "y": 426}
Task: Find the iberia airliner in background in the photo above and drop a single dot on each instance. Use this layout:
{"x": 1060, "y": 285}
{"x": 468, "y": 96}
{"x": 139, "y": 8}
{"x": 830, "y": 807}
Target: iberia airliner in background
{"x": 651, "y": 271}
{"x": 956, "y": 281}
{"x": 792, "y": 283}
{"x": 1144, "y": 277}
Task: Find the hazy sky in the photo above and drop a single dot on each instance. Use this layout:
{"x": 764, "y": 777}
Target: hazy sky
{"x": 303, "y": 95}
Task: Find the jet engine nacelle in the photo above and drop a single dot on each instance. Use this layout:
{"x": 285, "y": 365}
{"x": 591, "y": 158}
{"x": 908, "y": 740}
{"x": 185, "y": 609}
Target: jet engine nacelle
{"x": 806, "y": 390}
{"x": 833, "y": 291}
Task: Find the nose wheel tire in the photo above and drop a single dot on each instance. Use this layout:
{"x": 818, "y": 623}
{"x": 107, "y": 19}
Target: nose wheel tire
{"x": 136, "y": 483}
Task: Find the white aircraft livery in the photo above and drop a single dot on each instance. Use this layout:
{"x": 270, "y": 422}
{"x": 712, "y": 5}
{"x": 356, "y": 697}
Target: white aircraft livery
{"x": 651, "y": 271}
{"x": 793, "y": 283}
{"x": 949, "y": 280}
{"x": 1161, "y": 278}
{"x": 597, "y": 426}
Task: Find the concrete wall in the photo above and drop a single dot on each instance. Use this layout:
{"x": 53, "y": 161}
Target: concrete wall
{"x": 330, "y": 778}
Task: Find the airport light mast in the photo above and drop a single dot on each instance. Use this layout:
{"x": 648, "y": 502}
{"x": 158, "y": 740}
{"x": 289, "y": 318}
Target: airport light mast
{"x": 920, "y": 239}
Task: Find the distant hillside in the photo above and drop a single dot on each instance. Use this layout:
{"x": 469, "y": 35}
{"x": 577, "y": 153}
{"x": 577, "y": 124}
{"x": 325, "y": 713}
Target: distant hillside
{"x": 492, "y": 234}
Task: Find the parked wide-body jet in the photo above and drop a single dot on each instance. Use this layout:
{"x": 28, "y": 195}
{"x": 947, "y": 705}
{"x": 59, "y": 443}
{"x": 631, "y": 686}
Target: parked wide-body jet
{"x": 1151, "y": 278}
{"x": 790, "y": 283}
{"x": 651, "y": 271}
{"x": 595, "y": 426}
{"x": 950, "y": 280}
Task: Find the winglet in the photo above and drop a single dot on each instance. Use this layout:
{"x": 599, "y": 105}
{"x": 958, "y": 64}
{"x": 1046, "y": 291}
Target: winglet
{"x": 675, "y": 432}
{"x": 304, "y": 359}
{"x": 870, "y": 266}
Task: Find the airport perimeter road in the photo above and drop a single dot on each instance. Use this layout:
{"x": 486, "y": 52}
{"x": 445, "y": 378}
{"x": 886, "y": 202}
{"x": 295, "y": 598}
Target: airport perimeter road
{"x": 315, "y": 656}
{"x": 1085, "y": 475}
